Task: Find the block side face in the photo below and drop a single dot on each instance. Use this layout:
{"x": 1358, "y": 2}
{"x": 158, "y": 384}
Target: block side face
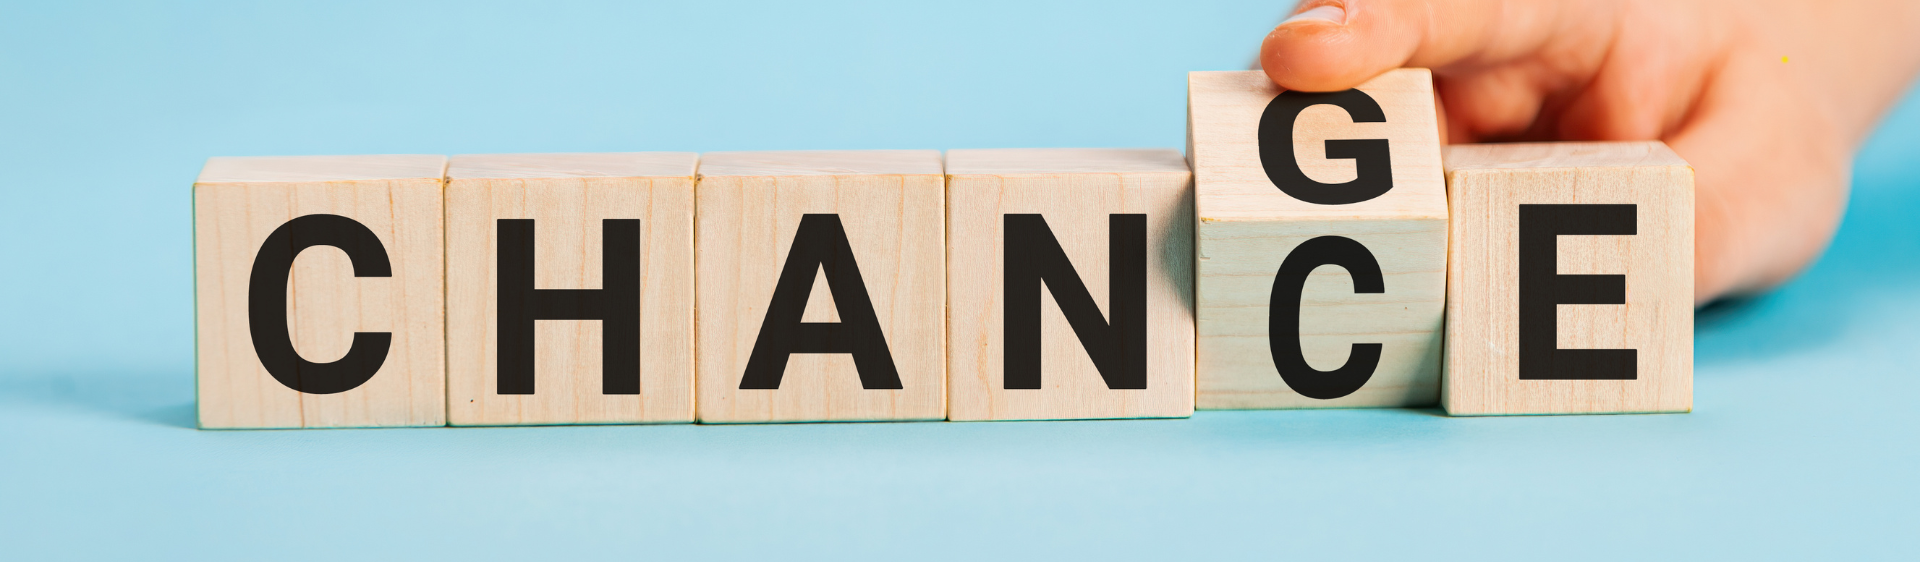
{"x": 1657, "y": 320}
{"x": 581, "y": 165}
{"x": 569, "y": 217}
{"x": 1237, "y": 266}
{"x": 746, "y": 227}
{"x": 307, "y": 169}
{"x": 1004, "y": 161}
{"x": 326, "y": 304}
{"x": 1472, "y": 309}
{"x": 1522, "y": 155}
{"x": 821, "y": 163}
{"x": 1226, "y": 110}
{"x": 1077, "y": 209}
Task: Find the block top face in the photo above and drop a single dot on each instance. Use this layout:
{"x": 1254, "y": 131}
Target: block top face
{"x": 305, "y": 169}
{"x": 1509, "y": 156}
{"x": 821, "y": 163}
{"x": 1014, "y": 161}
{"x": 1234, "y": 183}
{"x": 593, "y": 165}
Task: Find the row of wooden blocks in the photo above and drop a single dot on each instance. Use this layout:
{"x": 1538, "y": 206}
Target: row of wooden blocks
{"x": 1302, "y": 254}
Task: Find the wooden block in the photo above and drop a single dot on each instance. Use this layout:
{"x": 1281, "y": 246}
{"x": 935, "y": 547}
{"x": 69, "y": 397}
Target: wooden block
{"x": 1081, "y": 262}
{"x": 317, "y": 289}
{"x": 1571, "y": 285}
{"x": 540, "y": 329}
{"x": 821, "y": 286}
{"x": 1325, "y": 207}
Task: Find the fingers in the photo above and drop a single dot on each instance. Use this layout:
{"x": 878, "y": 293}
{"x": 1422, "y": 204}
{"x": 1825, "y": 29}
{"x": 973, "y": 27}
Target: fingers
{"x": 1769, "y": 192}
{"x": 1654, "y": 75}
{"x": 1337, "y": 44}
{"x": 1497, "y": 104}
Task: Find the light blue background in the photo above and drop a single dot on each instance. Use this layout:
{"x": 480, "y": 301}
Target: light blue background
{"x": 1802, "y": 444}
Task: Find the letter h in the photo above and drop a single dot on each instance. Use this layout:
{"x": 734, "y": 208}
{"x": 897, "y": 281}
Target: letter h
{"x": 616, "y": 305}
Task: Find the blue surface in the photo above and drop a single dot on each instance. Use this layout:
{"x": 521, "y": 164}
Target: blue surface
{"x": 1802, "y": 444}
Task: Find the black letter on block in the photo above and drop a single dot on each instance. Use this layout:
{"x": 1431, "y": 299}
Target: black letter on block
{"x": 616, "y": 304}
{"x": 1371, "y": 160}
{"x": 820, "y": 244}
{"x": 1118, "y": 349}
{"x": 1283, "y": 317}
{"x": 1543, "y": 289}
{"x": 267, "y": 304}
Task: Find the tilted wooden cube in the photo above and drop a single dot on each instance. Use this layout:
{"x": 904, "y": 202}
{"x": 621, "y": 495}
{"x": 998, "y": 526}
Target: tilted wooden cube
{"x": 317, "y": 289}
{"x": 1571, "y": 283}
{"x": 821, "y": 286}
{"x": 570, "y": 288}
{"x": 1070, "y": 284}
{"x": 1322, "y": 242}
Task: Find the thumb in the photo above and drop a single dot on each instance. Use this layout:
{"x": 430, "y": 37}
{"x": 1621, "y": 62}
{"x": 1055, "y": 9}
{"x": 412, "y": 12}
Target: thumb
{"x": 1337, "y": 44}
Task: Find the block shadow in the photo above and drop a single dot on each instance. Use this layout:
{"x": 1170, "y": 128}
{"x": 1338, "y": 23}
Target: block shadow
{"x": 160, "y": 399}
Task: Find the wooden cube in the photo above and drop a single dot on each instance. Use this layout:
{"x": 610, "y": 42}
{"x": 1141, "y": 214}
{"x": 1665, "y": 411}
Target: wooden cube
{"x": 821, "y": 286}
{"x": 570, "y": 288}
{"x": 1069, "y": 284}
{"x": 1322, "y": 242}
{"x": 1571, "y": 285}
{"x": 317, "y": 289}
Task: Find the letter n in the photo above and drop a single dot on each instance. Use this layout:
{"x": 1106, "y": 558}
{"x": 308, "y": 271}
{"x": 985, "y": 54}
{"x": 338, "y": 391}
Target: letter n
{"x": 1117, "y": 345}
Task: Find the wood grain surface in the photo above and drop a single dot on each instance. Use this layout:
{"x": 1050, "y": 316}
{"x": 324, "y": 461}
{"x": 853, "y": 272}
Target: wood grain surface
{"x": 238, "y": 203}
{"x": 890, "y": 204}
{"x": 1247, "y": 227}
{"x": 568, "y": 196}
{"x": 1075, "y": 191}
{"x": 1488, "y": 184}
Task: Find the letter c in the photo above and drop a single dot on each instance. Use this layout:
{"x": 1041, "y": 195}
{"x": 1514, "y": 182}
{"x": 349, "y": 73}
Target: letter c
{"x": 267, "y": 304}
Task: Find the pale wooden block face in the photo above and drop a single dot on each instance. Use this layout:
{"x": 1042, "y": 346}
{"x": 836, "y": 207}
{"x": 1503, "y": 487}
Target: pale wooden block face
{"x": 1248, "y": 226}
{"x": 890, "y": 206}
{"x": 1075, "y": 191}
{"x": 238, "y": 204}
{"x": 1236, "y": 362}
{"x": 569, "y": 196}
{"x": 1488, "y": 185}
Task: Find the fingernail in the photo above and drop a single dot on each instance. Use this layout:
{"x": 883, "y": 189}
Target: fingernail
{"x": 1326, "y": 14}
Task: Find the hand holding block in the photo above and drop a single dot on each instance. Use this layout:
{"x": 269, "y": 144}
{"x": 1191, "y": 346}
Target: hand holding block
{"x": 1322, "y": 242}
{"x": 1070, "y": 284}
{"x": 822, "y": 286}
{"x": 317, "y": 289}
{"x": 570, "y": 288}
{"x": 1571, "y": 283}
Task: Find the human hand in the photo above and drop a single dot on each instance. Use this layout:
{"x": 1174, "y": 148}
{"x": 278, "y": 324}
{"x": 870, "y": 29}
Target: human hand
{"x": 1768, "y": 100}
